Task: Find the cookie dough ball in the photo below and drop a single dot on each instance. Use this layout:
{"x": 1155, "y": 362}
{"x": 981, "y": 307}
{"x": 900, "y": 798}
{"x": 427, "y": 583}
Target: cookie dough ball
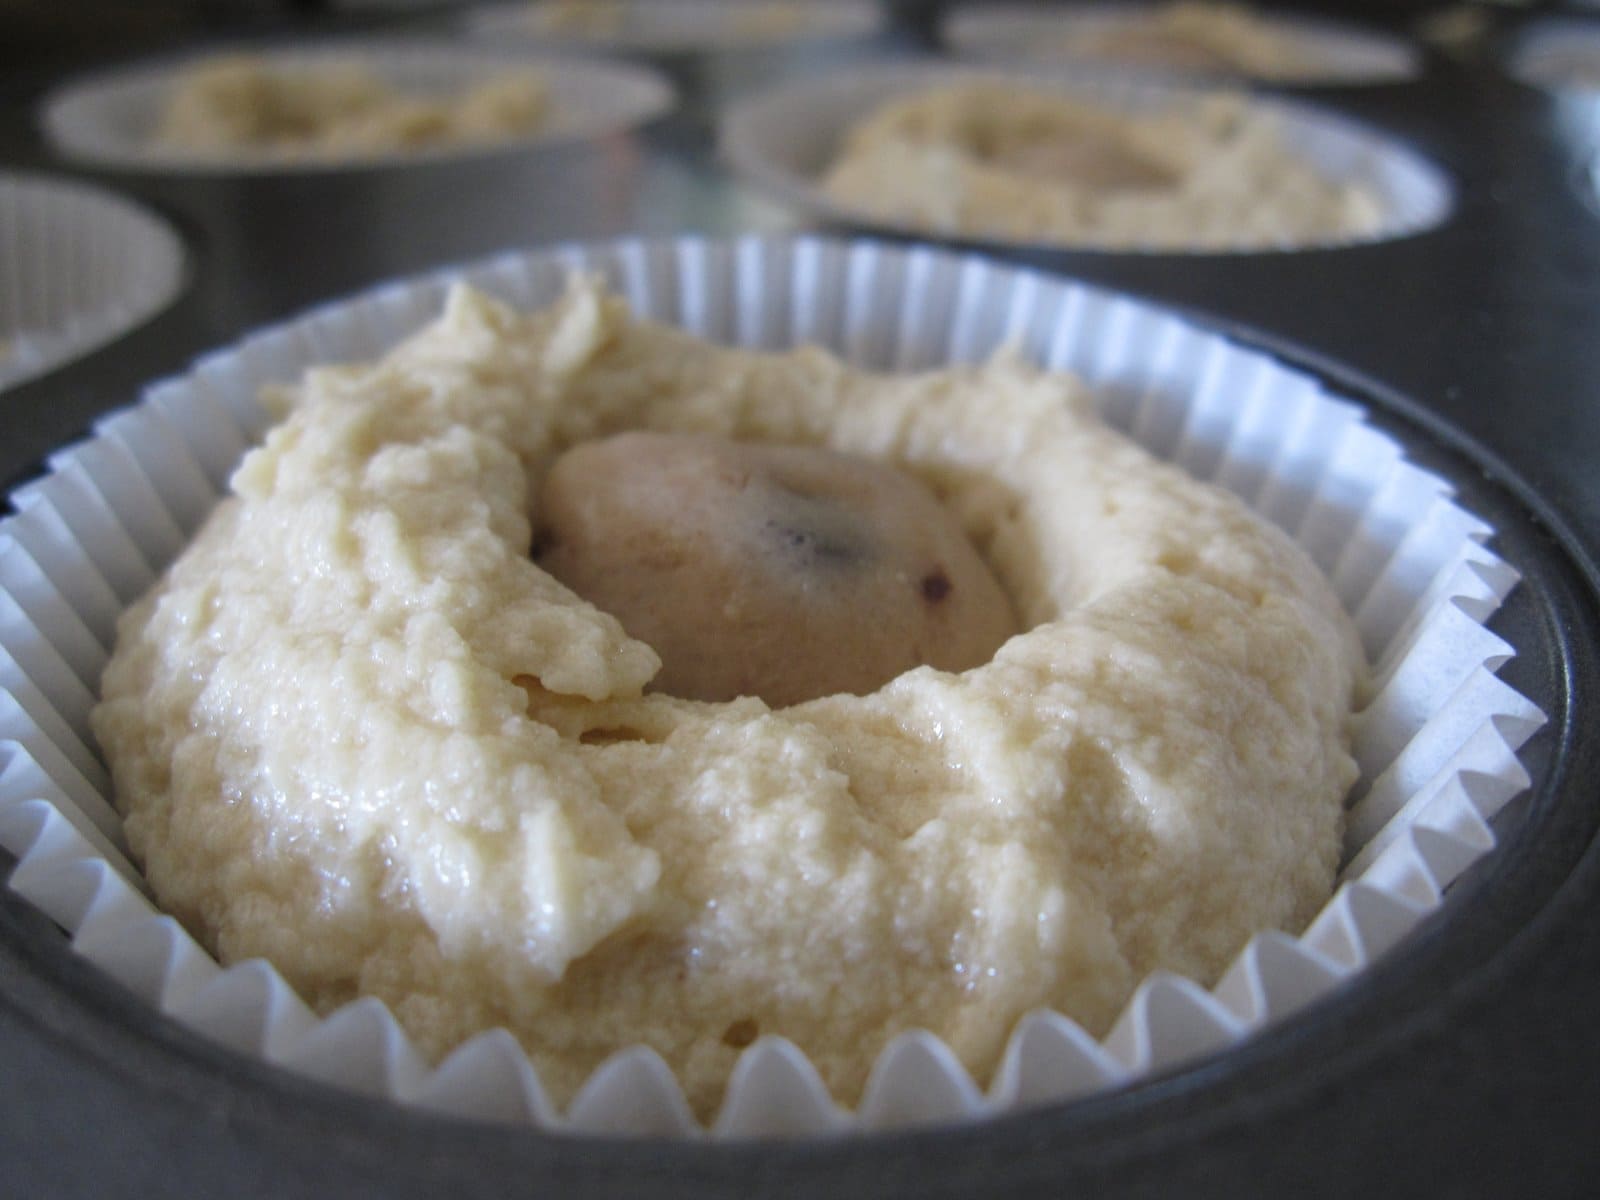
{"x": 1087, "y": 158}
{"x": 1168, "y": 49}
{"x": 784, "y": 572}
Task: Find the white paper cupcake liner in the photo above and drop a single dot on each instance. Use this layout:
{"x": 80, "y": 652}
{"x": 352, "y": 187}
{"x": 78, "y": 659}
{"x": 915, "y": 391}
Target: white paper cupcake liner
{"x": 785, "y": 139}
{"x": 1436, "y": 744}
{"x": 108, "y": 120}
{"x": 1558, "y": 56}
{"x": 79, "y": 267}
{"x": 667, "y": 26}
{"x": 1331, "y": 53}
{"x": 1563, "y": 58}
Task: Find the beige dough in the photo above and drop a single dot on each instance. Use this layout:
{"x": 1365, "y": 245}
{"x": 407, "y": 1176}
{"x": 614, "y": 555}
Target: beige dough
{"x": 1201, "y": 37}
{"x": 1040, "y": 165}
{"x": 1092, "y": 156}
{"x": 784, "y": 572}
{"x": 243, "y": 105}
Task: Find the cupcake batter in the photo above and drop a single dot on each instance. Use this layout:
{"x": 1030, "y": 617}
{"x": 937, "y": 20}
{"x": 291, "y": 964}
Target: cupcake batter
{"x": 1035, "y": 165}
{"x": 360, "y": 731}
{"x": 241, "y": 104}
{"x": 1199, "y": 37}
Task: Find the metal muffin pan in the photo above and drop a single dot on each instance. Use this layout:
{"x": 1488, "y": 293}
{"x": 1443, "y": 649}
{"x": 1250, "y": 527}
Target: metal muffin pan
{"x": 1474, "y": 345}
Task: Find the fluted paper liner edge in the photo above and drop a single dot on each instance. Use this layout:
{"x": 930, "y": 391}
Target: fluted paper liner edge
{"x": 1437, "y": 744}
{"x": 1557, "y": 53}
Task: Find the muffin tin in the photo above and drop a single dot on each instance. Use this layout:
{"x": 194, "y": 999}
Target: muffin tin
{"x": 1471, "y": 367}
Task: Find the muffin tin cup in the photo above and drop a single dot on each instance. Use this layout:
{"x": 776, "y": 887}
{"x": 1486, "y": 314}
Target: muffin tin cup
{"x": 109, "y": 120}
{"x": 785, "y": 139}
{"x": 1334, "y": 54}
{"x": 1436, "y": 742}
{"x": 79, "y": 267}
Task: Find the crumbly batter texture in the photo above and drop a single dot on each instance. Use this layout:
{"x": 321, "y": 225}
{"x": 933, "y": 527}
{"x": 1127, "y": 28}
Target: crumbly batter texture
{"x": 754, "y": 20}
{"x": 1201, "y": 37}
{"x": 357, "y": 731}
{"x": 241, "y": 104}
{"x": 1038, "y": 165}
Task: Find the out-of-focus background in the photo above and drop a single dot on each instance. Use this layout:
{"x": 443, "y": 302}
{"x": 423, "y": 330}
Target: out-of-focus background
{"x": 39, "y": 34}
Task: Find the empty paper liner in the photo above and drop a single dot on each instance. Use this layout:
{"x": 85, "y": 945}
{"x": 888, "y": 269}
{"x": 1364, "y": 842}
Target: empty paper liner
{"x": 1259, "y": 46}
{"x": 79, "y": 266}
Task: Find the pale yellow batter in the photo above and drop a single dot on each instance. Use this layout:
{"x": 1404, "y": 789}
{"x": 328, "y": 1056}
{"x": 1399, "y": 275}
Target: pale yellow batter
{"x": 244, "y": 105}
{"x": 1036, "y": 165}
{"x": 358, "y": 731}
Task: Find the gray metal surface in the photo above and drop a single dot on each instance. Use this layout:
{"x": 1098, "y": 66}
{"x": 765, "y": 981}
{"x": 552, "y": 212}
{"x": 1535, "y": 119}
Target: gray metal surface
{"x": 1468, "y": 1065}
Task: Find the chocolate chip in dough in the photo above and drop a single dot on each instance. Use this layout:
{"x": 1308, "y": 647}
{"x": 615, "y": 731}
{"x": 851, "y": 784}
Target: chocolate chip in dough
{"x": 784, "y": 572}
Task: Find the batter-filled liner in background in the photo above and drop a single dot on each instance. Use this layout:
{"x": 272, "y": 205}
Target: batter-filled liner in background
{"x": 1248, "y": 44}
{"x": 670, "y": 26}
{"x": 1436, "y": 744}
{"x": 786, "y": 138}
{"x": 111, "y": 118}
